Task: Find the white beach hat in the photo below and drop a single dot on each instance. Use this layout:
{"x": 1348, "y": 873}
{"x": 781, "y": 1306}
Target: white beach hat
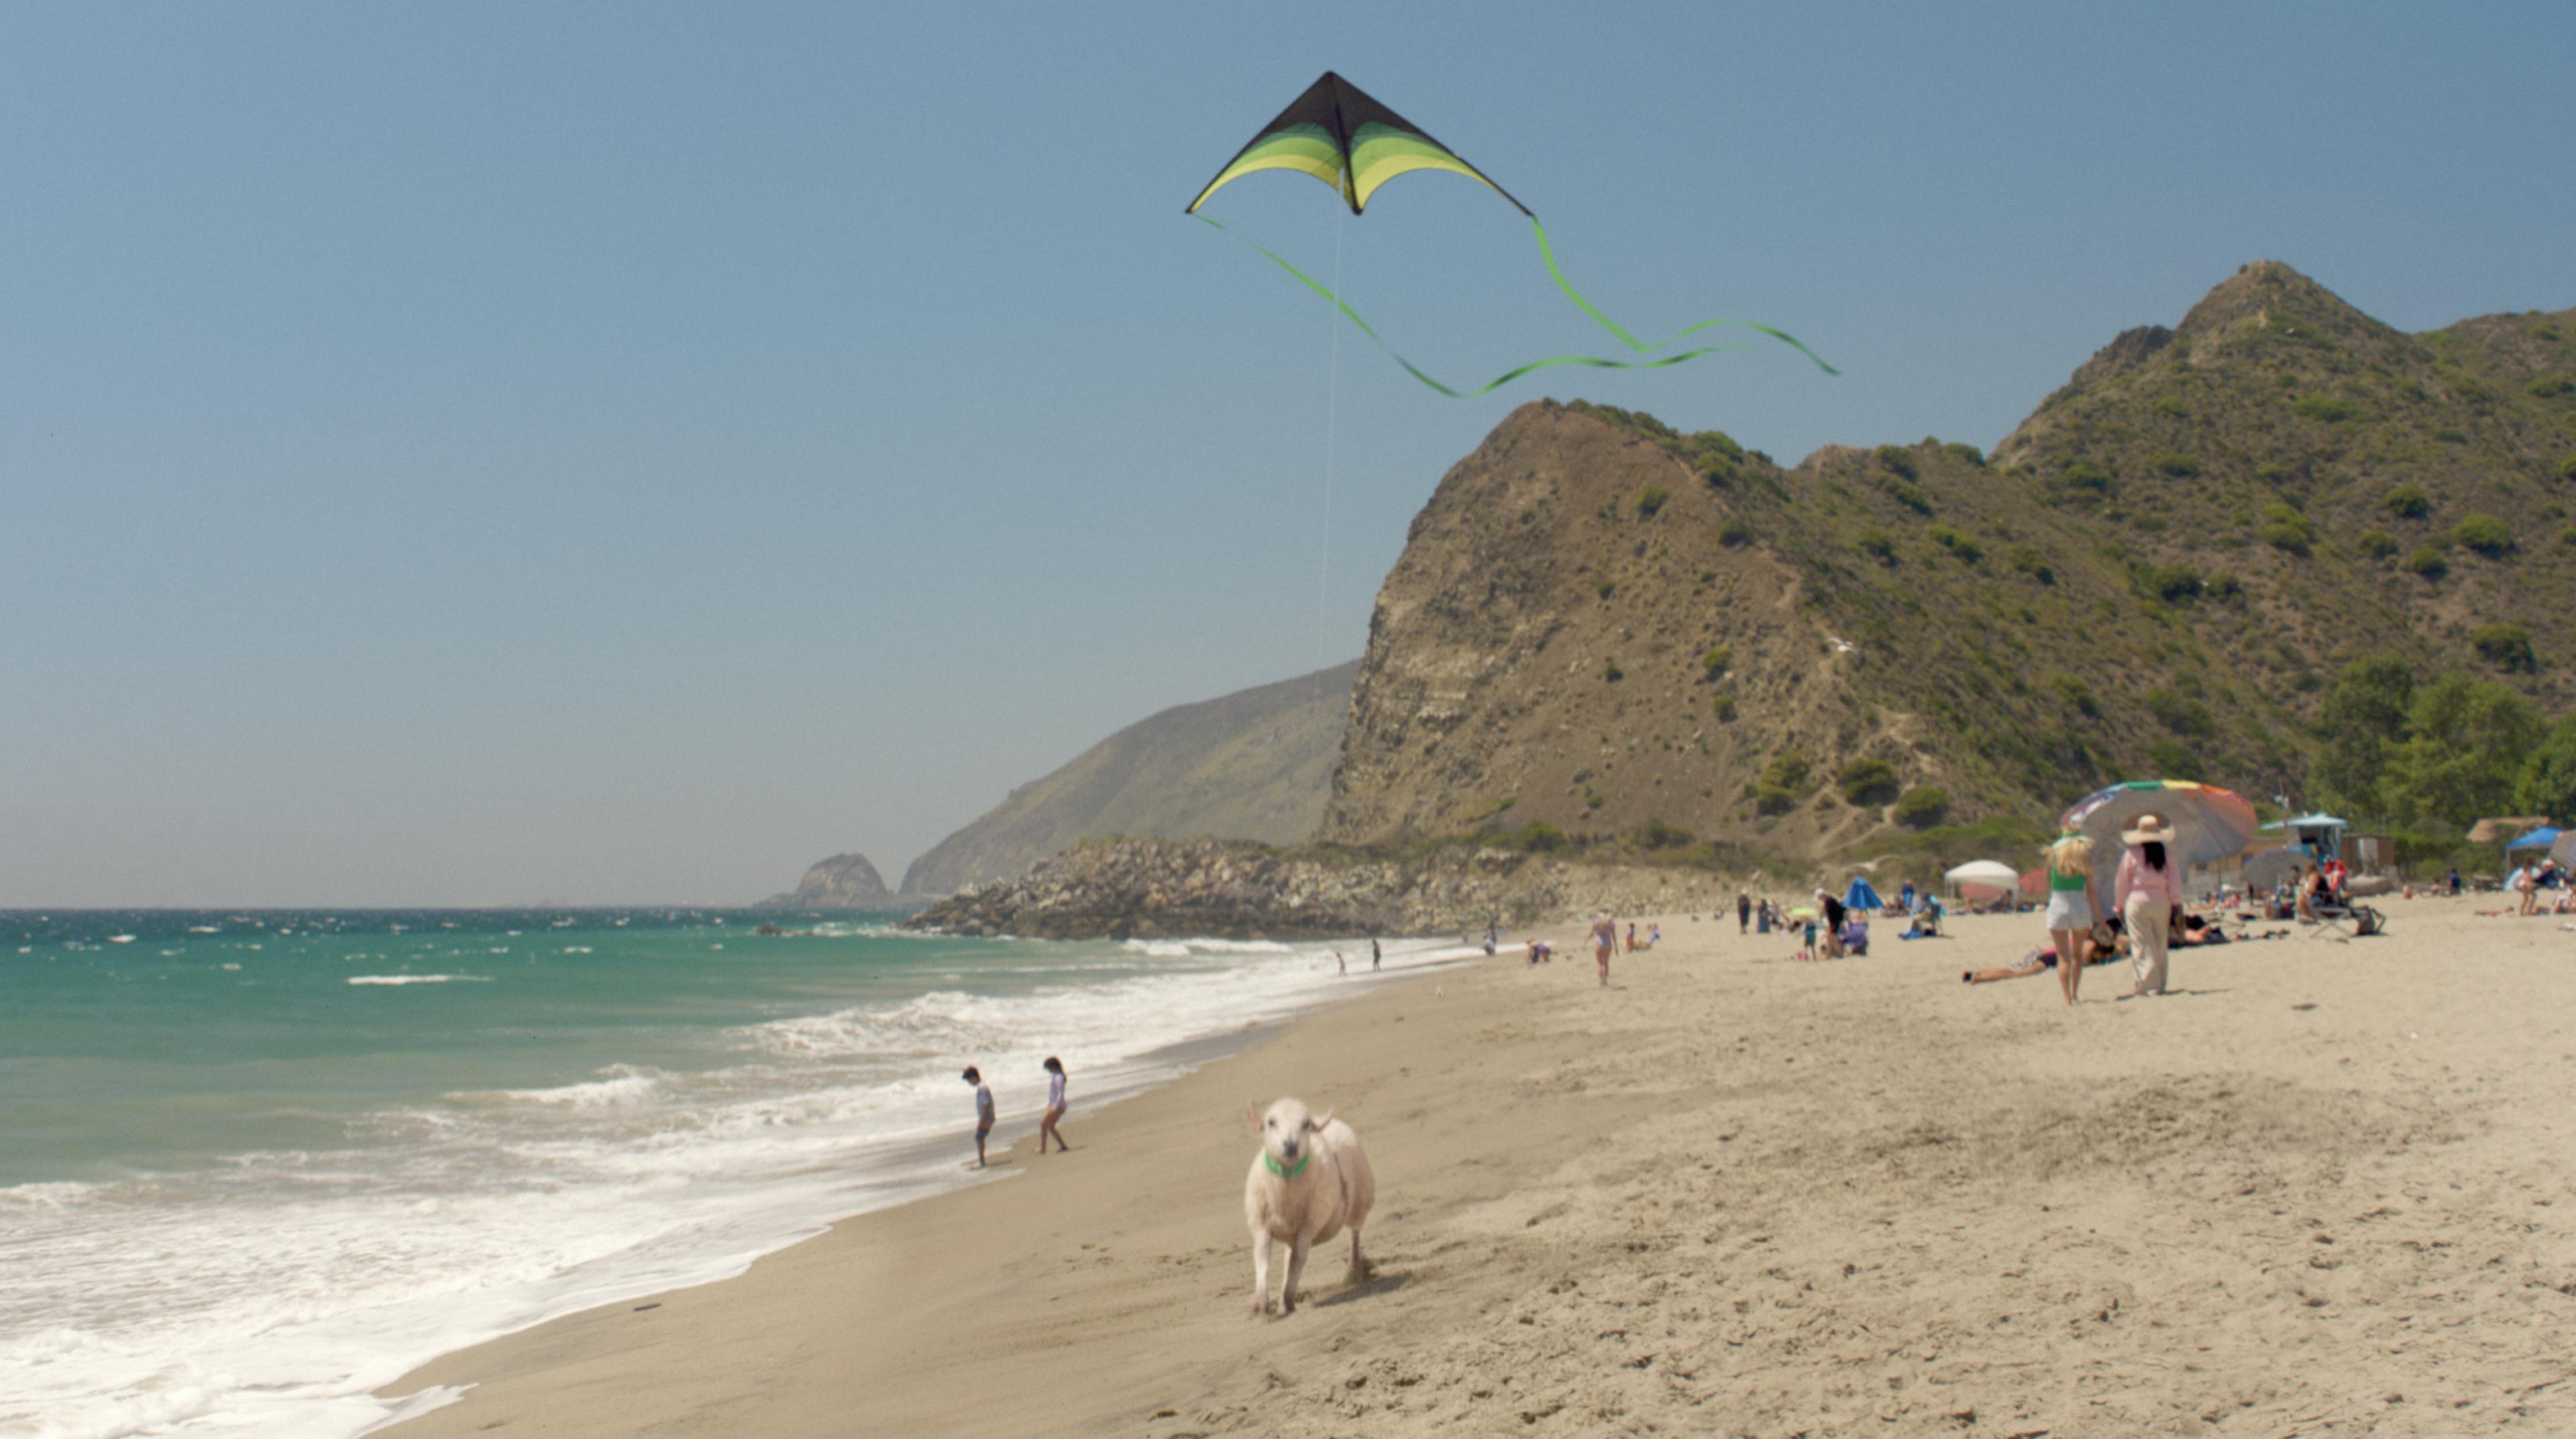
{"x": 2150, "y": 829}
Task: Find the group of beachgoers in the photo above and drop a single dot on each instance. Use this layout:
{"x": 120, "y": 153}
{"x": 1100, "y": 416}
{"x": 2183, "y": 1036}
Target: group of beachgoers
{"x": 2145, "y": 918}
{"x": 1604, "y": 939}
{"x": 1047, "y": 1123}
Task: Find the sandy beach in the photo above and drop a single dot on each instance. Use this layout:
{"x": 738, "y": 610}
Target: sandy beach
{"x": 2320, "y": 1190}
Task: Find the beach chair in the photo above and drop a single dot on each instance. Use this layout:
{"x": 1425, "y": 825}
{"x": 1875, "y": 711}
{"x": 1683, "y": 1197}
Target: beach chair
{"x": 2346, "y": 921}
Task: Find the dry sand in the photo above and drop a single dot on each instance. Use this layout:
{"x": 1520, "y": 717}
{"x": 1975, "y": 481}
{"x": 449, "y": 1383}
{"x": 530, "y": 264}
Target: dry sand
{"x": 2321, "y": 1190}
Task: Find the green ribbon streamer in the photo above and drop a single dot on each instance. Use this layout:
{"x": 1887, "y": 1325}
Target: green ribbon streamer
{"x": 1587, "y": 361}
{"x": 1548, "y": 253}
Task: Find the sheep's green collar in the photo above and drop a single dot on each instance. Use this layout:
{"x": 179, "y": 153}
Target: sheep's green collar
{"x": 1292, "y": 1171}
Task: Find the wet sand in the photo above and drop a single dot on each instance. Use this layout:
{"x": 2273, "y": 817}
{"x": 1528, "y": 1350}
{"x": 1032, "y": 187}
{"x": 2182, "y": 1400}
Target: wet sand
{"x": 2323, "y": 1189}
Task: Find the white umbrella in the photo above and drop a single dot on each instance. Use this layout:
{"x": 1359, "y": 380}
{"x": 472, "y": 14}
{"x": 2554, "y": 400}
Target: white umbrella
{"x": 1986, "y": 874}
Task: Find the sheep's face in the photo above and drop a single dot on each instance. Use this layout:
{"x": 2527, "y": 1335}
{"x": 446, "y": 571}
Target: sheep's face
{"x": 1287, "y": 1129}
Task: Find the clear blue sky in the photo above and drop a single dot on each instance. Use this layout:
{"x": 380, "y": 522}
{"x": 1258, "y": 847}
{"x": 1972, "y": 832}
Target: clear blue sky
{"x": 459, "y": 454}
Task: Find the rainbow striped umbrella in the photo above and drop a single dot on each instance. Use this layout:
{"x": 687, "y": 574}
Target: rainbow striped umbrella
{"x": 2209, "y": 824}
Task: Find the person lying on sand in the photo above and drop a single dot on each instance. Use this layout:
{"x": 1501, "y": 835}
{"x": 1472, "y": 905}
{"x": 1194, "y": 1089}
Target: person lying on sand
{"x": 2101, "y": 945}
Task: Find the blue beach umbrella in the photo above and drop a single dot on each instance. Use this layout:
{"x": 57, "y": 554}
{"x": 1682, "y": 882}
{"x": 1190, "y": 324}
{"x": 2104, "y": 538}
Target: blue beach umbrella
{"x": 2541, "y": 838}
{"x": 1860, "y": 896}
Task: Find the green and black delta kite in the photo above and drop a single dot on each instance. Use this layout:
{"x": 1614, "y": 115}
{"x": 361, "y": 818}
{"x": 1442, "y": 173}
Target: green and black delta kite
{"x": 1341, "y": 135}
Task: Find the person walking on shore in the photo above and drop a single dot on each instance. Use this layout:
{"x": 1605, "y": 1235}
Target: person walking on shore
{"x": 1743, "y": 912}
{"x": 1055, "y": 1106}
{"x": 2149, "y": 890}
{"x": 983, "y": 1112}
{"x": 1605, "y": 937}
{"x": 2072, "y": 908}
{"x": 1375, "y": 954}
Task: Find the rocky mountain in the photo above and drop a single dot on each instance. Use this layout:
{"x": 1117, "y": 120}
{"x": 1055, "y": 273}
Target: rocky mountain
{"x": 845, "y": 881}
{"x": 1604, "y": 630}
{"x": 1252, "y": 765}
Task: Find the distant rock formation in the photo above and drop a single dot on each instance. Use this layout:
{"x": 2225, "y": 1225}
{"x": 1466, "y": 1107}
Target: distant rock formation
{"x": 845, "y": 881}
{"x": 1253, "y": 765}
{"x": 1221, "y": 889}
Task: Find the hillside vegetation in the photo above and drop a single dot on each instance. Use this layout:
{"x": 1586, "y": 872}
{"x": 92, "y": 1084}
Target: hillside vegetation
{"x": 1251, "y": 765}
{"x": 1604, "y": 630}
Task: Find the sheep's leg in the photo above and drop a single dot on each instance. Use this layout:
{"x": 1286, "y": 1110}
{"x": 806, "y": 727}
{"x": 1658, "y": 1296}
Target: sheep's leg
{"x": 1359, "y": 1266}
{"x": 1296, "y": 1270}
{"x": 1260, "y": 1273}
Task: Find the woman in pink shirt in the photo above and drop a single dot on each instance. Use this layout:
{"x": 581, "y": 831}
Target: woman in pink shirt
{"x": 2148, "y": 891}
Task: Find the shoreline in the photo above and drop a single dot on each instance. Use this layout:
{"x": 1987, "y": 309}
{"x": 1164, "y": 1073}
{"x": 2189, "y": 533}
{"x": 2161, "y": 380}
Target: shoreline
{"x": 1728, "y": 1190}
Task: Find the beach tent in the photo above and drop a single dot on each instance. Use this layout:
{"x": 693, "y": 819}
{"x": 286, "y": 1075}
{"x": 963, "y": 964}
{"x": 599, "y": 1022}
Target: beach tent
{"x": 2541, "y": 838}
{"x": 2564, "y": 851}
{"x": 1860, "y": 897}
{"x": 2321, "y": 835}
{"x": 1987, "y": 876}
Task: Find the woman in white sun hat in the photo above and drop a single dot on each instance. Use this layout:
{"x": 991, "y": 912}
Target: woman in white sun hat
{"x": 2148, "y": 891}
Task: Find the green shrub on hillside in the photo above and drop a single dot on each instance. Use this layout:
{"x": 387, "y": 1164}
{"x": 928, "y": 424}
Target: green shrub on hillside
{"x": 1787, "y": 769}
{"x": 1658, "y": 835}
{"x": 2174, "y": 464}
{"x": 1716, "y": 661}
{"x": 2171, "y": 406}
{"x": 2181, "y": 713}
{"x": 1878, "y": 545}
{"x": 1725, "y": 707}
{"x": 1611, "y": 672}
{"x": 1867, "y": 781}
{"x": 2483, "y": 533}
{"x": 1651, "y": 501}
{"x": 1968, "y": 454}
{"x": 2077, "y": 693}
{"x": 1772, "y": 799}
{"x": 1737, "y": 531}
{"x": 2226, "y": 589}
{"x": 2551, "y": 386}
{"x": 2507, "y": 647}
{"x": 2032, "y": 562}
{"x": 1910, "y": 496}
{"x": 1540, "y": 837}
{"x": 1956, "y": 543}
{"x": 2429, "y": 563}
{"x": 2086, "y": 475}
{"x": 2286, "y": 529}
{"x": 1898, "y": 459}
{"x": 1922, "y": 807}
{"x": 2407, "y": 502}
{"x": 2567, "y": 468}
{"x": 2378, "y": 544}
{"x": 2330, "y": 409}
{"x": 2170, "y": 582}
{"x": 2175, "y": 760}
{"x": 2567, "y": 538}
{"x": 1605, "y": 589}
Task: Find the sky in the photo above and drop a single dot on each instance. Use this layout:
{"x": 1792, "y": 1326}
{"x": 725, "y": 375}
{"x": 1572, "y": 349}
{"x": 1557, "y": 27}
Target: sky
{"x": 486, "y": 454}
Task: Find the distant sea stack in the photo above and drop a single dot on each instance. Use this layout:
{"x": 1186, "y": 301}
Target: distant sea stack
{"x": 1255, "y": 764}
{"x": 845, "y": 881}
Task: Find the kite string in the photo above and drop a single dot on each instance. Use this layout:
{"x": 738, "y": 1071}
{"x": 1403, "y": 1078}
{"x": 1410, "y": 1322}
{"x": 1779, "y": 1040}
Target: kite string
{"x": 1332, "y": 406}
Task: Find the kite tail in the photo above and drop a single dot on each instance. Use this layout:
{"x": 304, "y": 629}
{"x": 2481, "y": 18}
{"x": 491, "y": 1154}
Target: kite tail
{"x": 1508, "y": 377}
{"x": 1547, "y": 252}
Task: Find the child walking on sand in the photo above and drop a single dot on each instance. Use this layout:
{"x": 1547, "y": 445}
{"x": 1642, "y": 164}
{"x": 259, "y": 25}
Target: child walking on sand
{"x": 983, "y": 1111}
{"x": 1055, "y": 1106}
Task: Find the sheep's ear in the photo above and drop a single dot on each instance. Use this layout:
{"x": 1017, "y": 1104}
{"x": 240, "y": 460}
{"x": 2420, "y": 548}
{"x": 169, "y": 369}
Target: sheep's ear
{"x": 1252, "y": 1114}
{"x": 1316, "y": 1122}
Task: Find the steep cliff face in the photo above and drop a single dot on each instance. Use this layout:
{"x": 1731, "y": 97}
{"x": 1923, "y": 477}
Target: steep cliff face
{"x": 1609, "y": 628}
{"x": 845, "y": 881}
{"x": 1252, "y": 765}
{"x": 1582, "y": 633}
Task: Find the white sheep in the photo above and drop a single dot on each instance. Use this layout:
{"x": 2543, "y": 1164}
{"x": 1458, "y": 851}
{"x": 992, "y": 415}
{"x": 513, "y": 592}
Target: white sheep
{"x": 1310, "y": 1180}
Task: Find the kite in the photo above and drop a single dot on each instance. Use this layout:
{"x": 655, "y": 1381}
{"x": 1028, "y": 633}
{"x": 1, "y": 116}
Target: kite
{"x": 1342, "y": 136}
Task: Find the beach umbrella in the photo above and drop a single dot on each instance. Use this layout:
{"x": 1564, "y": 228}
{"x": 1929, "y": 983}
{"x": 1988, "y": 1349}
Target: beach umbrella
{"x": 1804, "y": 911}
{"x": 1860, "y": 896}
{"x": 2541, "y": 838}
{"x": 1986, "y": 876}
{"x": 2209, "y": 824}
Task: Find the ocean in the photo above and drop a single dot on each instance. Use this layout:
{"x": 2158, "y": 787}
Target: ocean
{"x": 254, "y": 1165}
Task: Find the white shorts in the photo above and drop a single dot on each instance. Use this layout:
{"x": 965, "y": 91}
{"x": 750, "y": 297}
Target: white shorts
{"x": 2069, "y": 909}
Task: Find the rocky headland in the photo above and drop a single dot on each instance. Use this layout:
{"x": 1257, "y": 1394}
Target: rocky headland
{"x": 845, "y": 881}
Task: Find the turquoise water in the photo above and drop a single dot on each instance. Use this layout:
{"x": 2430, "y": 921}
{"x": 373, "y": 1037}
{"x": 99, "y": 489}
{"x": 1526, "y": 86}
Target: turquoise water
{"x": 254, "y": 1166}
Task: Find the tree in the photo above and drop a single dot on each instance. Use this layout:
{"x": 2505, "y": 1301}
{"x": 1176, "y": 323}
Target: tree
{"x": 2549, "y": 775}
{"x": 2363, "y": 718}
{"x": 2465, "y": 748}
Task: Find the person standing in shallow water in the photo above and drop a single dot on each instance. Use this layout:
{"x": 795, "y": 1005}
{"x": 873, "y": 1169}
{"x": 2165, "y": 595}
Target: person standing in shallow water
{"x": 1743, "y": 912}
{"x": 1055, "y": 1106}
{"x": 1375, "y": 953}
{"x": 983, "y": 1112}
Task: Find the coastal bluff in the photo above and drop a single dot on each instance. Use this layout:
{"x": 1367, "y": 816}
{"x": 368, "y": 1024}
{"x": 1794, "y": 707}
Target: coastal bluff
{"x": 1141, "y": 887}
{"x": 845, "y": 881}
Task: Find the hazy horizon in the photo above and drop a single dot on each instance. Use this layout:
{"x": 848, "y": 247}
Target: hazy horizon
{"x": 462, "y": 457}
